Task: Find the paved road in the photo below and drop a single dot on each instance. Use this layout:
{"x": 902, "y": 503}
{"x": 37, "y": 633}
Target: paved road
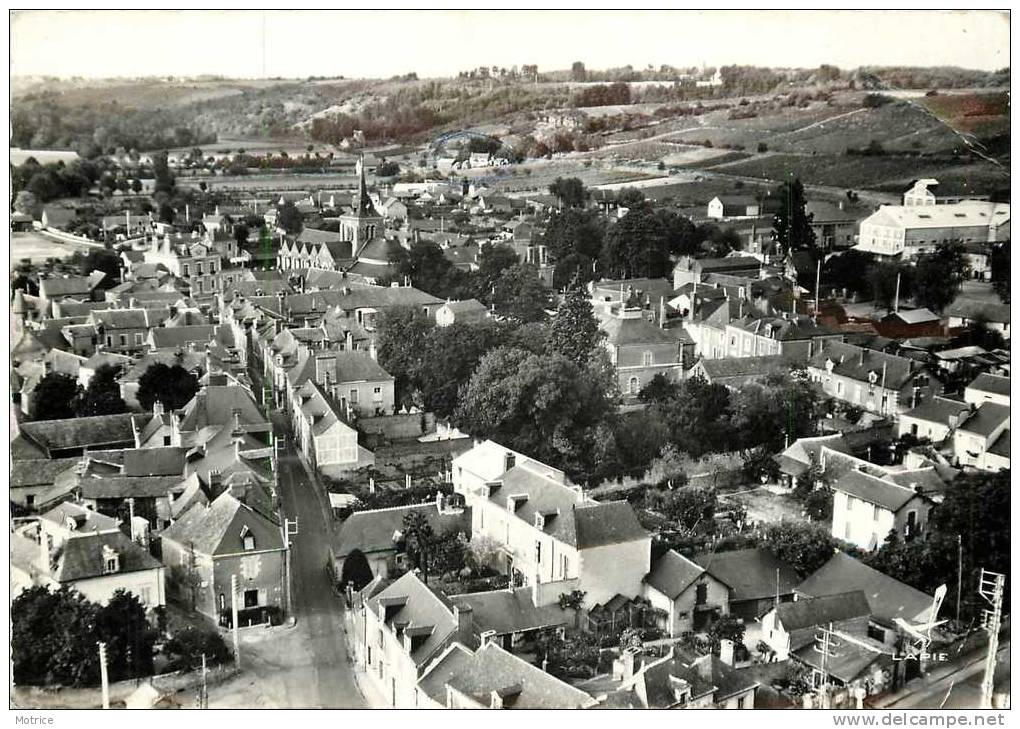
{"x": 305, "y": 666}
{"x": 963, "y": 688}
{"x": 315, "y": 605}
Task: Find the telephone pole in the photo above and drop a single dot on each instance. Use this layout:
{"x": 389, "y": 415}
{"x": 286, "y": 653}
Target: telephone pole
{"x": 991, "y": 587}
{"x": 290, "y": 528}
{"x": 826, "y": 645}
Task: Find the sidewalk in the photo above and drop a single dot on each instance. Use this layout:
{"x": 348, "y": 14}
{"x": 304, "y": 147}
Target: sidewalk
{"x": 972, "y": 660}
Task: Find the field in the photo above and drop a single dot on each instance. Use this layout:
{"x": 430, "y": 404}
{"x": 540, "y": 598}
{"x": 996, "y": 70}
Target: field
{"x": 853, "y": 172}
{"x": 38, "y": 248}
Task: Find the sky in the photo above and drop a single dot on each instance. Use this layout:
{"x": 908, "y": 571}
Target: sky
{"x": 382, "y": 43}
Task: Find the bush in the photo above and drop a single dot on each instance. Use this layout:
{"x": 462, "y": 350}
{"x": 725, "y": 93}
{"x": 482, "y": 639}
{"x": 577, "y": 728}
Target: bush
{"x": 762, "y": 147}
{"x": 185, "y": 649}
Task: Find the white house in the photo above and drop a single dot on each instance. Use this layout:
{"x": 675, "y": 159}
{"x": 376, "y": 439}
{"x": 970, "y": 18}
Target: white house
{"x": 907, "y": 231}
{"x": 866, "y": 507}
{"x": 988, "y": 388}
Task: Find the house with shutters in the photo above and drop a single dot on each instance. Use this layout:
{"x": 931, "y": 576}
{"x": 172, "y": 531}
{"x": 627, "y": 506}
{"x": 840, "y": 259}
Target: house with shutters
{"x": 210, "y": 543}
{"x": 881, "y": 383}
{"x": 551, "y": 534}
{"x": 755, "y": 579}
{"x": 867, "y": 506}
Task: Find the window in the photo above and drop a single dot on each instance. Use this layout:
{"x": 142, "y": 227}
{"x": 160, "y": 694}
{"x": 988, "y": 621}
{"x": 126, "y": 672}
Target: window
{"x": 166, "y": 440}
{"x": 634, "y": 386}
{"x": 109, "y": 340}
{"x": 138, "y": 338}
{"x": 247, "y": 538}
{"x": 876, "y": 513}
{"x": 876, "y": 633}
{"x": 846, "y": 531}
{"x": 564, "y": 565}
{"x": 30, "y": 500}
{"x": 354, "y": 396}
{"x": 123, "y": 340}
{"x": 187, "y": 270}
{"x": 146, "y": 596}
{"x": 646, "y": 359}
{"x": 223, "y": 601}
{"x": 251, "y": 598}
{"x": 701, "y": 594}
{"x": 538, "y": 552}
{"x": 199, "y": 266}
{"x": 839, "y": 388}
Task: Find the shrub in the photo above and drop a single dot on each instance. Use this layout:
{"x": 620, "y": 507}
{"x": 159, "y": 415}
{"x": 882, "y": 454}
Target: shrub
{"x": 185, "y": 649}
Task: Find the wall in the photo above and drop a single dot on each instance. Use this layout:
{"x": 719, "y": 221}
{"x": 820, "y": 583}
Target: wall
{"x": 866, "y": 530}
{"x": 388, "y": 666}
{"x": 263, "y": 571}
{"x": 147, "y": 585}
{"x": 681, "y": 610}
{"x": 614, "y": 569}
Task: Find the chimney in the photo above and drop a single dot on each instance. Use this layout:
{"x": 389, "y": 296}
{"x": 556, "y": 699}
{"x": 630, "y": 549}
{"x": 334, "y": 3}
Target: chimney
{"x": 44, "y": 552}
{"x": 495, "y": 700}
{"x": 462, "y": 614}
{"x": 726, "y": 651}
{"x": 157, "y": 408}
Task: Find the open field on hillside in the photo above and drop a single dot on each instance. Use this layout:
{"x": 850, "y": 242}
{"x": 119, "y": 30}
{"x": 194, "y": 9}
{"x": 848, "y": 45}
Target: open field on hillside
{"x": 38, "y": 248}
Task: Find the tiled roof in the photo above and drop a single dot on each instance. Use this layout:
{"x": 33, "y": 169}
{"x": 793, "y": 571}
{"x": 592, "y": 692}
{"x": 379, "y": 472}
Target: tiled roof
{"x": 808, "y": 612}
{"x": 751, "y": 574}
{"x": 986, "y": 419}
{"x": 215, "y": 529}
{"x": 95, "y": 431}
{"x": 889, "y": 598}
{"x": 874, "y": 490}
{"x": 511, "y": 611}
{"x": 373, "y": 531}
{"x": 673, "y": 573}
{"x": 82, "y": 556}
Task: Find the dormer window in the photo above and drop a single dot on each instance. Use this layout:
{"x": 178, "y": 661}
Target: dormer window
{"x": 872, "y": 377}
{"x": 829, "y": 364}
{"x": 111, "y": 560}
{"x": 247, "y": 539}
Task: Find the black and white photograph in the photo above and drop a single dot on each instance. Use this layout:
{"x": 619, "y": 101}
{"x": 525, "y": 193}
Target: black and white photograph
{"x": 510, "y": 359}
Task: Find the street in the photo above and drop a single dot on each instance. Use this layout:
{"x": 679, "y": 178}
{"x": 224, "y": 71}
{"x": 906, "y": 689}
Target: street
{"x": 305, "y": 666}
{"x": 962, "y": 687}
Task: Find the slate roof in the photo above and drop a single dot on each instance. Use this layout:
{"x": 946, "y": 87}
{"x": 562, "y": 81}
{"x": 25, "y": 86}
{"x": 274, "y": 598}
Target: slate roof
{"x": 124, "y": 487}
{"x": 742, "y": 367}
{"x": 215, "y": 529}
{"x": 751, "y": 574}
{"x": 519, "y": 684}
{"x": 986, "y": 419}
{"x": 216, "y": 405}
{"x": 358, "y": 367}
{"x": 466, "y": 306}
{"x": 69, "y": 285}
{"x": 86, "y": 520}
{"x": 636, "y": 331}
{"x": 849, "y": 662}
{"x": 39, "y": 471}
{"x": 1001, "y": 445}
{"x": 511, "y": 611}
{"x": 163, "y": 337}
{"x": 94, "y": 431}
{"x": 994, "y": 384}
{"x": 168, "y": 461}
{"x": 577, "y": 522}
{"x": 673, "y": 573}
{"x": 889, "y": 598}
{"x": 372, "y": 531}
{"x": 874, "y": 489}
{"x": 938, "y": 410}
{"x": 857, "y": 362}
{"x": 812, "y": 611}
{"x": 82, "y": 556}
{"x": 972, "y": 309}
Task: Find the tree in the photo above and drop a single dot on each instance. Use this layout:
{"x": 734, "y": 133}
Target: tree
{"x": 636, "y": 246}
{"x": 884, "y": 279}
{"x": 102, "y": 396}
{"x": 791, "y": 226}
{"x": 356, "y": 570}
{"x": 540, "y": 404}
{"x": 570, "y": 191}
{"x": 520, "y": 294}
{"x": 402, "y": 339}
{"x": 241, "y": 233}
{"x": 164, "y": 180}
{"x": 289, "y": 218}
{"x": 843, "y": 271}
{"x": 484, "y": 551}
{"x": 449, "y": 358}
{"x": 28, "y": 204}
{"x": 691, "y": 509}
{"x": 418, "y": 539}
{"x": 493, "y": 260}
{"x": 55, "y": 397}
{"x": 171, "y": 385}
{"x": 726, "y": 627}
{"x": 1000, "y": 270}
{"x": 938, "y": 276}
{"x": 777, "y": 410}
{"x": 53, "y": 638}
{"x": 659, "y": 389}
{"x": 804, "y": 546}
{"x": 698, "y": 417}
{"x": 186, "y": 648}
{"x": 681, "y": 233}
{"x": 129, "y": 638}
{"x": 575, "y": 331}
{"x": 105, "y": 260}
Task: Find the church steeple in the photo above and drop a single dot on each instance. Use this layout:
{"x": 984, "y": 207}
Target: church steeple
{"x": 363, "y": 205}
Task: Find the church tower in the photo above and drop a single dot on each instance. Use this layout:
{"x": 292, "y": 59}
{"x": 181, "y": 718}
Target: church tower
{"x": 363, "y": 224}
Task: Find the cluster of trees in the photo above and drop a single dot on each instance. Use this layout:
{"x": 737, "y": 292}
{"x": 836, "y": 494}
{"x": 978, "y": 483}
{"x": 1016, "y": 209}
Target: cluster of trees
{"x": 46, "y": 121}
{"x": 34, "y": 184}
{"x": 514, "y": 289}
{"x": 59, "y": 396}
{"x": 431, "y": 552}
{"x": 54, "y": 635}
{"x": 584, "y": 246}
{"x": 933, "y": 281}
{"x": 603, "y": 95}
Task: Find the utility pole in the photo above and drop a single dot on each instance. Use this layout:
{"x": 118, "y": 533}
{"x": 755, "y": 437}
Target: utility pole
{"x": 818, "y": 284}
{"x": 896, "y": 300}
{"x": 233, "y": 613}
{"x": 825, "y": 644}
{"x": 104, "y": 676}
{"x": 290, "y": 528}
{"x": 204, "y": 698}
{"x": 991, "y": 587}
{"x": 959, "y": 573}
